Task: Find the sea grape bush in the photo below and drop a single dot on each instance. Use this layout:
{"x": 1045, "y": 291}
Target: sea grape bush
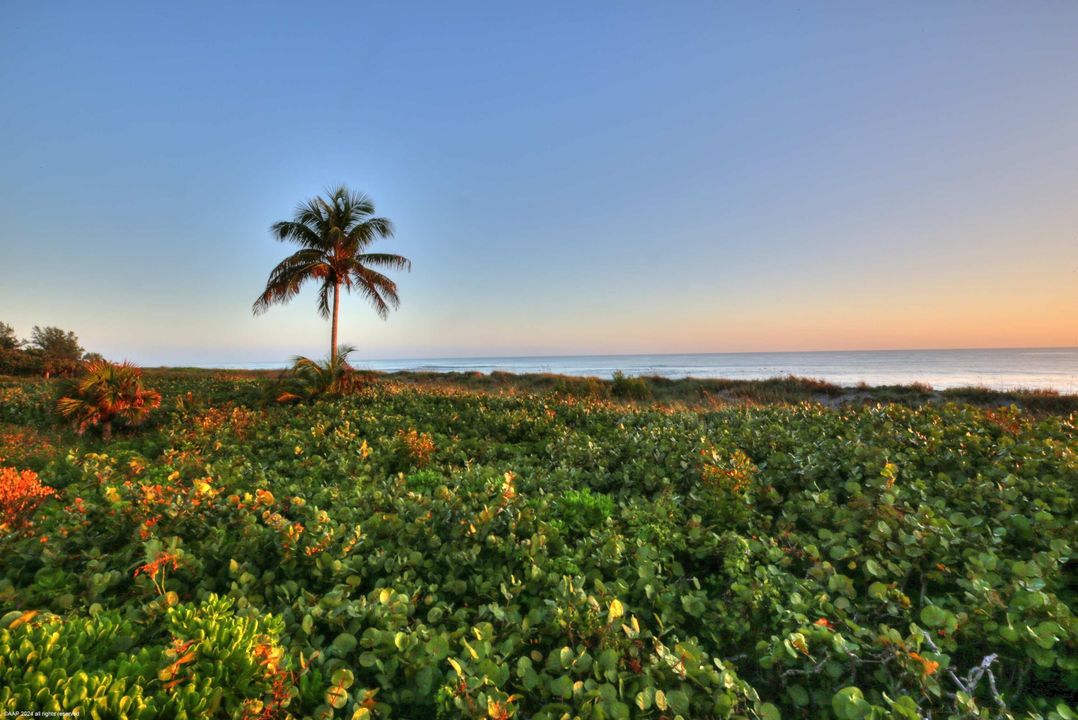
{"x": 415, "y": 449}
{"x": 24, "y": 403}
{"x": 205, "y": 661}
{"x": 405, "y": 553}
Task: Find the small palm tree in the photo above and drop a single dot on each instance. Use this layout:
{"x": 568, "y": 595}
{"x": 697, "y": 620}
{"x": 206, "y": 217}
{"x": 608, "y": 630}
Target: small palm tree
{"x": 105, "y": 394}
{"x": 334, "y": 233}
{"x": 308, "y": 379}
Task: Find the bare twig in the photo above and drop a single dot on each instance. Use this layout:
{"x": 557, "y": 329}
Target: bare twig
{"x": 976, "y": 673}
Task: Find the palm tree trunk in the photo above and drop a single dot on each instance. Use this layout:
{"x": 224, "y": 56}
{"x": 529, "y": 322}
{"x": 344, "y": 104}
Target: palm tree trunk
{"x": 336, "y": 307}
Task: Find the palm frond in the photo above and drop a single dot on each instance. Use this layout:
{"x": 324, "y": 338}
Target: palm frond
{"x": 314, "y": 214}
{"x": 286, "y": 280}
{"x": 377, "y": 288}
{"x": 362, "y": 234}
{"x": 280, "y": 291}
{"x": 324, "y": 309}
{"x": 352, "y": 205}
{"x": 298, "y": 232}
{"x": 386, "y": 260}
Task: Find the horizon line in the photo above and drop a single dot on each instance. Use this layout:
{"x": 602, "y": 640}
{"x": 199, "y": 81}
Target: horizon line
{"x": 638, "y": 354}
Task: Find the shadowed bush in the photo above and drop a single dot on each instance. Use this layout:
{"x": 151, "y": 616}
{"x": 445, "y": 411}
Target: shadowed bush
{"x": 630, "y": 388}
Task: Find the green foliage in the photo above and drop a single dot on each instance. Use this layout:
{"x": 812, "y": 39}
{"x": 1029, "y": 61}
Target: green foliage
{"x": 52, "y": 342}
{"x": 1043, "y": 400}
{"x": 8, "y": 340}
{"x": 25, "y": 403}
{"x": 309, "y": 379}
{"x": 584, "y": 388}
{"x": 425, "y": 480}
{"x": 206, "y": 661}
{"x": 583, "y": 509}
{"x": 710, "y": 393}
{"x": 58, "y": 350}
{"x": 20, "y": 362}
{"x": 629, "y": 388}
{"x": 554, "y": 557}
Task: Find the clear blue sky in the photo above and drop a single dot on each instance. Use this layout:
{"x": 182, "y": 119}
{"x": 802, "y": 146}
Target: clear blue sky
{"x": 568, "y": 177}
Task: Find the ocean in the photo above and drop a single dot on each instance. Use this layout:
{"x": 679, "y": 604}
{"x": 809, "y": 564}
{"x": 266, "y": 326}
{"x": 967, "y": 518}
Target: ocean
{"x": 999, "y": 369}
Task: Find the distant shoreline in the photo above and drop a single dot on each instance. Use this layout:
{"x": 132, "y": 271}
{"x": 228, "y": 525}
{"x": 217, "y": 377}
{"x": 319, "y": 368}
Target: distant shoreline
{"x": 687, "y": 391}
{"x": 997, "y": 369}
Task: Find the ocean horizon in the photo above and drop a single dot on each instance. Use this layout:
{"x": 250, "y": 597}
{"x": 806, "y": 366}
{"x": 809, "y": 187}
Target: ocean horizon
{"x": 995, "y": 368}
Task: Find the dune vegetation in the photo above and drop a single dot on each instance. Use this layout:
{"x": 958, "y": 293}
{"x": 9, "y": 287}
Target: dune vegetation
{"x": 397, "y": 547}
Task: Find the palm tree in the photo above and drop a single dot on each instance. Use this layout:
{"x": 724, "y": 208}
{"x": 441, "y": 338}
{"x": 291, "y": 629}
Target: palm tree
{"x": 334, "y": 233}
{"x": 105, "y": 394}
{"x": 309, "y": 379}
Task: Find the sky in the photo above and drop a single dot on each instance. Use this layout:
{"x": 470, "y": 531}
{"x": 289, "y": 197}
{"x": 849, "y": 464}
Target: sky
{"x": 568, "y": 177}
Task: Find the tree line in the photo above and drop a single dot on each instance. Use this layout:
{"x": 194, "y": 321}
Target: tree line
{"x": 49, "y": 351}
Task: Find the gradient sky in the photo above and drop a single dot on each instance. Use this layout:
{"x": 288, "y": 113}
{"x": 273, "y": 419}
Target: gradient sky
{"x": 568, "y": 177}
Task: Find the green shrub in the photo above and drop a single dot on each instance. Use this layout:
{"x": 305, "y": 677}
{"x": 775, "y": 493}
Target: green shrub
{"x": 629, "y": 388}
{"x": 208, "y": 662}
{"x": 583, "y": 509}
{"x": 425, "y": 480}
{"x": 586, "y": 387}
{"x": 15, "y": 361}
{"x": 309, "y": 379}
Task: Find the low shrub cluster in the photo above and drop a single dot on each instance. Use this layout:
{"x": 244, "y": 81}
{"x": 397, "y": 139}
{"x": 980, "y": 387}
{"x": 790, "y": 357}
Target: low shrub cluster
{"x": 206, "y": 660}
{"x": 407, "y": 552}
{"x": 629, "y": 388}
{"x": 708, "y": 393}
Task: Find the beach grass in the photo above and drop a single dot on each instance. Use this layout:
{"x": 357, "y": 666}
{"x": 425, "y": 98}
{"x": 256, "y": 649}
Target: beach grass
{"x": 685, "y": 392}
